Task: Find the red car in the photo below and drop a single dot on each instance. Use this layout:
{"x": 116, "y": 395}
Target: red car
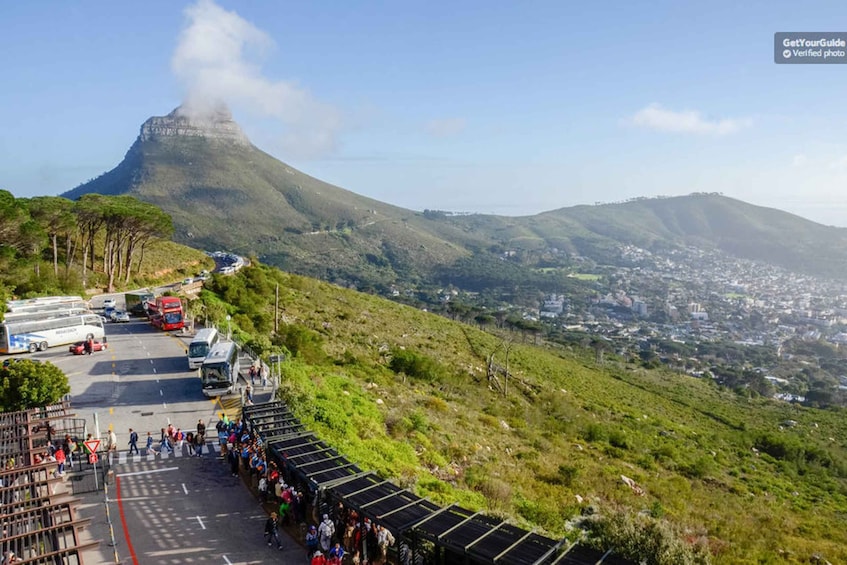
{"x": 78, "y": 348}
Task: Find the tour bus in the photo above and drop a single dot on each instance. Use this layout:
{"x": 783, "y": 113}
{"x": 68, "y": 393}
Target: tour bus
{"x": 45, "y": 303}
{"x": 168, "y": 314}
{"x": 219, "y": 371}
{"x": 38, "y": 335}
{"x": 200, "y": 346}
{"x": 59, "y": 311}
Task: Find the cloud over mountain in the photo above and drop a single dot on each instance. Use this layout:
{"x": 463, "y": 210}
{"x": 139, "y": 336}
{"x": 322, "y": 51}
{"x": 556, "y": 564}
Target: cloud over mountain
{"x": 217, "y": 60}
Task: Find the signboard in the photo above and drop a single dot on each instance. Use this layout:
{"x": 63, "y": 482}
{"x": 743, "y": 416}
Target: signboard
{"x": 92, "y": 458}
{"x": 93, "y": 445}
{"x": 277, "y": 358}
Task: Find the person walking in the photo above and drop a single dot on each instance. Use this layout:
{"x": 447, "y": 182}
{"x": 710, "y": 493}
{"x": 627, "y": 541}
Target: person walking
{"x": 232, "y": 457}
{"x": 272, "y": 530}
{"x": 150, "y": 443}
{"x": 133, "y": 442}
{"x": 165, "y": 443}
{"x": 199, "y": 442}
{"x": 201, "y": 427}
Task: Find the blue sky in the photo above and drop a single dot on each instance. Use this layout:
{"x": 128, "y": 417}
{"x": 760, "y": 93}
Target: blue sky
{"x": 499, "y": 107}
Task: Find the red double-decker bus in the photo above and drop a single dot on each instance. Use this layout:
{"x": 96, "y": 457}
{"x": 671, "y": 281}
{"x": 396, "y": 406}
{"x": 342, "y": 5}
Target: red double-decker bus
{"x": 168, "y": 314}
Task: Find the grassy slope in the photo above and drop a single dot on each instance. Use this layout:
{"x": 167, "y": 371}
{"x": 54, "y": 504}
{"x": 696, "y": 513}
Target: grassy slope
{"x": 304, "y": 225}
{"x": 567, "y": 428}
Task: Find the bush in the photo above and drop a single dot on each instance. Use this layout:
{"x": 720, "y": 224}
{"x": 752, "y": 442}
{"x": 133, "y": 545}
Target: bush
{"x": 416, "y": 365}
{"x": 642, "y": 539}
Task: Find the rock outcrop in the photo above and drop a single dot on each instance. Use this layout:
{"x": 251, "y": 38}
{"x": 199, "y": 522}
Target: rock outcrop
{"x": 217, "y": 124}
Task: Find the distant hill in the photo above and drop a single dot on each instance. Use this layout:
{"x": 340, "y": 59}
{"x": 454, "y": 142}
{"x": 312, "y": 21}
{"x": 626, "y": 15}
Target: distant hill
{"x": 223, "y": 192}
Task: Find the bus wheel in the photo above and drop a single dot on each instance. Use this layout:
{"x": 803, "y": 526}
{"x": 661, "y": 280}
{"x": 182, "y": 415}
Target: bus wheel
{"x": 89, "y": 336}
{"x": 33, "y": 347}
{"x": 42, "y": 346}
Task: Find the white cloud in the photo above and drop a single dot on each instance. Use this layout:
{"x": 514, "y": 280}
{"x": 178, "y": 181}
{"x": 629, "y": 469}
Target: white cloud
{"x": 839, "y": 164}
{"x": 215, "y": 61}
{"x": 799, "y": 160}
{"x": 658, "y": 118}
{"x": 445, "y": 127}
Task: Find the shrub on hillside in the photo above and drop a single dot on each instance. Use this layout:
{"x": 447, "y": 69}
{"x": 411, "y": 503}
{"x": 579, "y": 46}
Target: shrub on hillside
{"x": 643, "y": 539}
{"x": 416, "y": 365}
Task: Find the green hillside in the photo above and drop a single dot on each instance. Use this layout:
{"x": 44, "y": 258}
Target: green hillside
{"x": 409, "y": 394}
{"x": 224, "y": 193}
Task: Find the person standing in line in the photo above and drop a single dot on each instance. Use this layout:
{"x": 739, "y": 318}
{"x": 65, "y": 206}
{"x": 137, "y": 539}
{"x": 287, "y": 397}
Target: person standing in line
{"x": 325, "y": 533}
{"x": 311, "y": 541}
{"x": 272, "y": 530}
{"x": 199, "y": 441}
{"x": 133, "y": 442}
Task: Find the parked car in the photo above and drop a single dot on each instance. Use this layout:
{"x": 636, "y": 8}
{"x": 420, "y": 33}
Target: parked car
{"x": 109, "y": 303}
{"x": 120, "y": 316}
{"x": 78, "y": 348}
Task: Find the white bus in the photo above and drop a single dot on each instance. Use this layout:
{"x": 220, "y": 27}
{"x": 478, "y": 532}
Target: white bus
{"x": 38, "y": 335}
{"x": 200, "y": 346}
{"x": 58, "y": 311}
{"x": 220, "y": 368}
{"x": 28, "y": 304}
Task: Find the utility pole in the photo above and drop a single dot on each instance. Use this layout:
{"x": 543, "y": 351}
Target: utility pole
{"x": 276, "y": 310}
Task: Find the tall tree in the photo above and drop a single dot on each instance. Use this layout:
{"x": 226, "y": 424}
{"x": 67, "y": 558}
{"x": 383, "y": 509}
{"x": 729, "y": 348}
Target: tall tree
{"x": 55, "y": 216}
{"x": 88, "y": 210}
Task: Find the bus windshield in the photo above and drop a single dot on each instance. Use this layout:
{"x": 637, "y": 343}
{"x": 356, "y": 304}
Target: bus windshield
{"x": 173, "y": 317}
{"x": 198, "y": 349}
{"x": 215, "y": 373}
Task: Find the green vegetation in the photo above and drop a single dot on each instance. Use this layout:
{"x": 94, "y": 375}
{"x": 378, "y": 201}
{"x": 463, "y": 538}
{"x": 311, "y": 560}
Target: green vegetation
{"x": 51, "y": 245}
{"x": 25, "y": 384}
{"x": 545, "y": 434}
{"x": 298, "y": 223}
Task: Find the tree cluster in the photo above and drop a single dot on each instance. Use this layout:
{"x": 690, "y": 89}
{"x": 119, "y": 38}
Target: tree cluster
{"x": 117, "y": 229}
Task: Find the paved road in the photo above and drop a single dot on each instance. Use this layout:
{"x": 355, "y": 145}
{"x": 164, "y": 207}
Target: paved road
{"x": 173, "y": 509}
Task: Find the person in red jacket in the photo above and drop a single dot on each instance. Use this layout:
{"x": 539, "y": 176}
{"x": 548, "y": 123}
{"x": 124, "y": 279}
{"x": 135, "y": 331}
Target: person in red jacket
{"x": 319, "y": 559}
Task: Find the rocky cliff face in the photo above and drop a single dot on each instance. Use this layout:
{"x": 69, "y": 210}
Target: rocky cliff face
{"x": 217, "y": 124}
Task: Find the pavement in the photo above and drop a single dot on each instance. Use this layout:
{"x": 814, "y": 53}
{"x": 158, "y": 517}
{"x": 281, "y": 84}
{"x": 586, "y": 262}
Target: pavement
{"x": 176, "y": 509}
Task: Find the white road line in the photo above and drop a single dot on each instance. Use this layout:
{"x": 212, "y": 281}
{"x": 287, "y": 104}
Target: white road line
{"x": 228, "y": 562}
{"x": 147, "y": 472}
{"x": 164, "y": 404}
{"x": 161, "y": 393}
{"x": 202, "y": 525}
{"x": 185, "y": 490}
{"x": 154, "y": 370}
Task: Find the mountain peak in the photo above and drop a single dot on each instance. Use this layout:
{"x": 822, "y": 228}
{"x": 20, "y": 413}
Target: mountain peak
{"x": 216, "y": 123}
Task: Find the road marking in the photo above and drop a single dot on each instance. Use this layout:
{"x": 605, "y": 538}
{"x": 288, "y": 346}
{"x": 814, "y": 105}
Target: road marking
{"x": 185, "y": 490}
{"x": 161, "y": 393}
{"x": 228, "y": 562}
{"x": 165, "y": 405}
{"x": 151, "y": 361}
{"x": 151, "y": 471}
{"x": 154, "y": 370}
{"x": 202, "y": 525}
